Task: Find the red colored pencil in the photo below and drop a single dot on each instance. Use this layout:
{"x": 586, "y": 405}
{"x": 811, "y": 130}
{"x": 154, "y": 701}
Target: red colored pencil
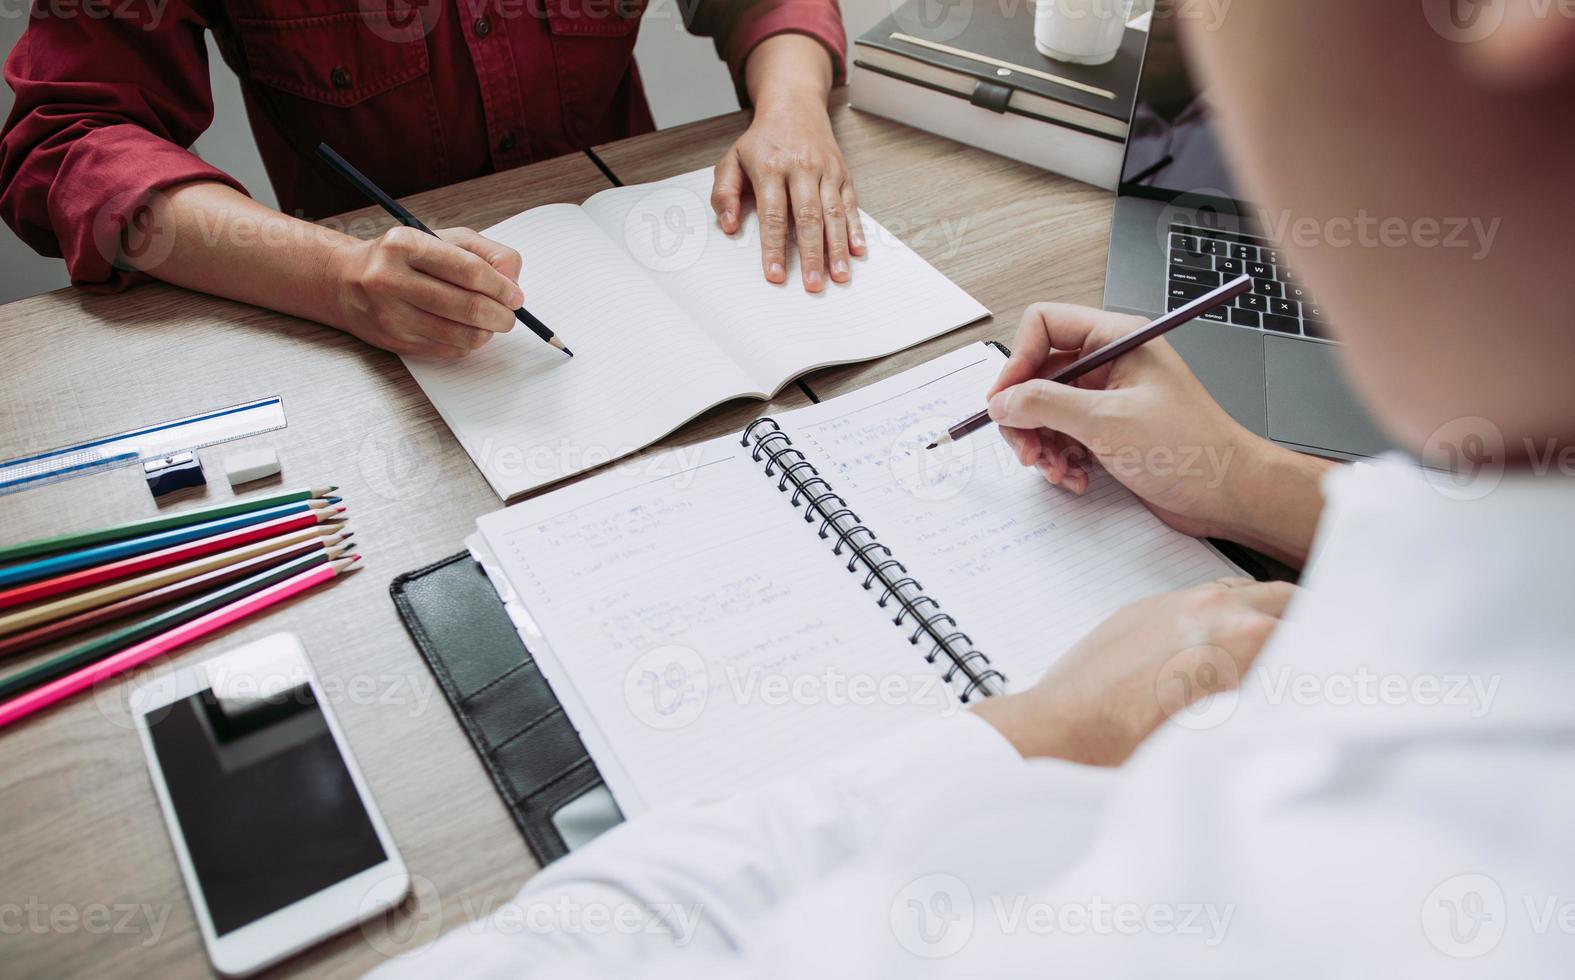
{"x": 61, "y": 688}
{"x": 82, "y": 578}
{"x": 51, "y": 631}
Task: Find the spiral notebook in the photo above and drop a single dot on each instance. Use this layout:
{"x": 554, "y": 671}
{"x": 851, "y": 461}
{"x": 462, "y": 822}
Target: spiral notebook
{"x": 721, "y": 615}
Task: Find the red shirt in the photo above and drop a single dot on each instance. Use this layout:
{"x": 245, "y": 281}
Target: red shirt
{"x": 111, "y": 93}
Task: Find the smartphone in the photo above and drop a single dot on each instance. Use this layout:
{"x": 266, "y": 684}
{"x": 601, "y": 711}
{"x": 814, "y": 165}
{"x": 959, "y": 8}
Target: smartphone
{"x": 279, "y": 842}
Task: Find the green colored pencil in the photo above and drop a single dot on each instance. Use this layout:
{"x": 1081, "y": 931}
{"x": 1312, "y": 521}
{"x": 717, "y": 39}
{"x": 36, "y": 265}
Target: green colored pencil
{"x": 95, "y": 650}
{"x": 151, "y": 525}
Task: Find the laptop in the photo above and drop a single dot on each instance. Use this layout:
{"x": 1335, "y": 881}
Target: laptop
{"x": 1180, "y": 228}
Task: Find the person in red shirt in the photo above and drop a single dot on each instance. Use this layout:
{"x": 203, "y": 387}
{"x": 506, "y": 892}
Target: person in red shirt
{"x": 95, "y": 163}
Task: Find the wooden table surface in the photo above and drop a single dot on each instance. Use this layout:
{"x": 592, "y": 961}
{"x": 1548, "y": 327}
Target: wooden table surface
{"x": 88, "y": 880}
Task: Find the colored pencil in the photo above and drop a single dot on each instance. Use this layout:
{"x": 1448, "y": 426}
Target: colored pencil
{"x": 81, "y": 579}
{"x": 92, "y": 652}
{"x": 135, "y": 656}
{"x": 99, "y": 554}
{"x": 111, "y": 602}
{"x": 151, "y": 525}
{"x": 397, "y": 211}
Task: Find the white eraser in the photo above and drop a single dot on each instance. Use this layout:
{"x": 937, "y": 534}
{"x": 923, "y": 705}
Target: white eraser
{"x": 250, "y": 464}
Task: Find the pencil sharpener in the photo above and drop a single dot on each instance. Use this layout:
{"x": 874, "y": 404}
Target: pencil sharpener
{"x": 178, "y": 471}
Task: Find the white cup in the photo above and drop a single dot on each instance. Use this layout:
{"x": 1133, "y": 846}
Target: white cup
{"x": 1081, "y": 32}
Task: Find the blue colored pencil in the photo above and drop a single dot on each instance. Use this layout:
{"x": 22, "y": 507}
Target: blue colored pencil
{"x": 71, "y": 560}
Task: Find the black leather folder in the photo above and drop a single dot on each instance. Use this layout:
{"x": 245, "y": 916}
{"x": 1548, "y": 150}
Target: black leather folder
{"x": 531, "y": 751}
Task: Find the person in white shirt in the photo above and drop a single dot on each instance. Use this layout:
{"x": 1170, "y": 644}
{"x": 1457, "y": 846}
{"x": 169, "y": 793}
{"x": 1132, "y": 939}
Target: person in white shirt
{"x": 1365, "y": 776}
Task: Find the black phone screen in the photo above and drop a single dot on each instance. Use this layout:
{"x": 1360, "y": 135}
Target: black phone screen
{"x": 264, "y": 800}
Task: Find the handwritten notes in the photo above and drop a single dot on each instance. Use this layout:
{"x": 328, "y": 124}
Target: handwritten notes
{"x": 1025, "y": 568}
{"x": 705, "y": 639}
{"x": 711, "y": 639}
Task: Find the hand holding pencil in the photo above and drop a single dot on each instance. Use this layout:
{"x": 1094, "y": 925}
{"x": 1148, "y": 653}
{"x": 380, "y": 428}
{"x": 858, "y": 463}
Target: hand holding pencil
{"x": 1145, "y": 418}
{"x": 435, "y": 299}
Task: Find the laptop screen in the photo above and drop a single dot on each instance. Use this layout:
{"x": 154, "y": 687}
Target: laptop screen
{"x": 1172, "y": 150}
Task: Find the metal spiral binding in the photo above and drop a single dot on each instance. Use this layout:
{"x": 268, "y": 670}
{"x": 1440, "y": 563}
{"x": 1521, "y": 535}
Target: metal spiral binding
{"x": 915, "y": 610}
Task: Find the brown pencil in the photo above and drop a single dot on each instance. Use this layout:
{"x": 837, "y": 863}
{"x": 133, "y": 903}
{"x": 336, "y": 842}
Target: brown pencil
{"x": 1180, "y": 316}
{"x": 223, "y": 575}
{"x": 43, "y": 612}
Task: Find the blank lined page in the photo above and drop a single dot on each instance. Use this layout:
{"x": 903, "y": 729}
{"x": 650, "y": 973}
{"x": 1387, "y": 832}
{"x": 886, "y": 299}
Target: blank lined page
{"x": 701, "y": 636}
{"x": 895, "y": 299}
{"x": 1026, "y": 568}
{"x": 530, "y": 416}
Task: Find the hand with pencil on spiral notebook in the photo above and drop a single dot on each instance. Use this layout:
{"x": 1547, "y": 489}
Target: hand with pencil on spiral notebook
{"x": 668, "y": 602}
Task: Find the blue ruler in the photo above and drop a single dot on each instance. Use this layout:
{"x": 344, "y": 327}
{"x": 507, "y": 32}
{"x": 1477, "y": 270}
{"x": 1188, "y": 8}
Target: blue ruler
{"x": 141, "y": 445}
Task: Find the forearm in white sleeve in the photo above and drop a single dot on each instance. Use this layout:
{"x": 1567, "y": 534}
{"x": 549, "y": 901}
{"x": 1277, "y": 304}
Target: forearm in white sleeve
{"x": 698, "y": 877}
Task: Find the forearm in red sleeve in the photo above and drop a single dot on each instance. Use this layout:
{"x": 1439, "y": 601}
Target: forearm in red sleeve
{"x": 106, "y": 108}
{"x": 738, "y": 26}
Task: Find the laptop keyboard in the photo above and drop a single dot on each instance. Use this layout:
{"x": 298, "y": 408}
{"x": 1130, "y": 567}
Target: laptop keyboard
{"x": 1202, "y": 259}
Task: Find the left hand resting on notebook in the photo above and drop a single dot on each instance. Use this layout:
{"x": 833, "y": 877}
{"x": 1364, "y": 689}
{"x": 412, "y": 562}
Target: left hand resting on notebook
{"x": 1145, "y": 663}
{"x": 790, "y": 160}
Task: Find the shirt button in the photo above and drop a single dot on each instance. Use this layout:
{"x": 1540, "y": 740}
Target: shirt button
{"x": 507, "y": 143}
{"x": 482, "y": 27}
{"x": 340, "y": 77}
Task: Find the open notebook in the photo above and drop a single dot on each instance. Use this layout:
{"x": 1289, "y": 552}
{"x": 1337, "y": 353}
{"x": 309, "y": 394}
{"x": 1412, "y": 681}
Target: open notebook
{"x": 716, "y": 617}
{"x": 667, "y": 317}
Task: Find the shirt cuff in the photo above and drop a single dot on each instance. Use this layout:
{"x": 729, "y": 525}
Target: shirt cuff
{"x": 819, "y": 19}
{"x": 107, "y": 177}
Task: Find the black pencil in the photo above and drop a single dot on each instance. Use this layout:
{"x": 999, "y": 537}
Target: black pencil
{"x": 393, "y": 207}
{"x": 1104, "y": 355}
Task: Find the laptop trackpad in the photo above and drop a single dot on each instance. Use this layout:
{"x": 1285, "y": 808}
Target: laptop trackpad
{"x": 1311, "y": 404}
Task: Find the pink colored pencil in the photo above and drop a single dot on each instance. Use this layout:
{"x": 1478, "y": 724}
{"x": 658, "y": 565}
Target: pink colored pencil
{"x": 61, "y": 688}
{"x": 115, "y": 570}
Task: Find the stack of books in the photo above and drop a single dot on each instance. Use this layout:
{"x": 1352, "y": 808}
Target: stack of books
{"x": 971, "y": 72}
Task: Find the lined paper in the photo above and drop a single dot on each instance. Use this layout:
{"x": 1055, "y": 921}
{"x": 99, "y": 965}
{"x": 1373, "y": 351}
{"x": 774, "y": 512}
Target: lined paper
{"x": 667, "y": 317}
{"x": 895, "y": 299}
{"x": 530, "y": 416}
{"x": 1025, "y": 568}
{"x": 698, "y": 632}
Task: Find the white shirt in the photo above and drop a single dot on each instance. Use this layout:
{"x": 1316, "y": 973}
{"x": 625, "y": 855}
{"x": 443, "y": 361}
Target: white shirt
{"x": 1388, "y": 795}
